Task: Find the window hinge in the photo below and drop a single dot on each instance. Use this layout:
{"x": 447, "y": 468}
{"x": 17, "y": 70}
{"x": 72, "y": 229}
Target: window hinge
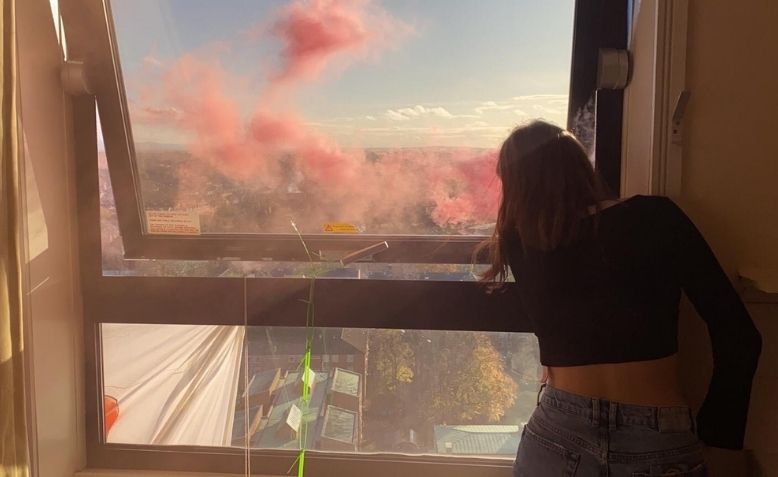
{"x": 74, "y": 79}
{"x": 613, "y": 68}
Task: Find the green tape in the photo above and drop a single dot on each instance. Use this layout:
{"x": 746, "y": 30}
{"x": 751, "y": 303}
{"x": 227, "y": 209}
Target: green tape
{"x": 305, "y": 400}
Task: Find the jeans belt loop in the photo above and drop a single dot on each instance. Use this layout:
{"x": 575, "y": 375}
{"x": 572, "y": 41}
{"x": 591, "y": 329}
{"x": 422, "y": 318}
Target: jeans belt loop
{"x": 613, "y": 412}
{"x": 595, "y": 412}
{"x": 540, "y": 391}
{"x": 692, "y": 421}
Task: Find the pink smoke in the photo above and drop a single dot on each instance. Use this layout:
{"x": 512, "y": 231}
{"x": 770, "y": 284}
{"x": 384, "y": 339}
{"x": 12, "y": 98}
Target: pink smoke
{"x": 315, "y": 31}
{"x": 458, "y": 191}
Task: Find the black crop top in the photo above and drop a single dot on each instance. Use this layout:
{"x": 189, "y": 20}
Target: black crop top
{"x": 614, "y": 298}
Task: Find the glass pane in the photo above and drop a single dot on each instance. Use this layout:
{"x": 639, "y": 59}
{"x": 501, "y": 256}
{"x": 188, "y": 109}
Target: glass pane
{"x": 114, "y": 264}
{"x": 396, "y": 391}
{"x": 355, "y": 116}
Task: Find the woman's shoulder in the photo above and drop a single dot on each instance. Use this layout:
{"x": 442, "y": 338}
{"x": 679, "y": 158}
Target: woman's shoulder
{"x": 654, "y": 204}
{"x": 653, "y": 214}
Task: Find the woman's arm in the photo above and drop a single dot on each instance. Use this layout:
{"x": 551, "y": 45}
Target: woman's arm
{"x": 735, "y": 340}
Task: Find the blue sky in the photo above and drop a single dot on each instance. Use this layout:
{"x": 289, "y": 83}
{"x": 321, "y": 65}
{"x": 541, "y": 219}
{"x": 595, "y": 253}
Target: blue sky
{"x": 472, "y": 70}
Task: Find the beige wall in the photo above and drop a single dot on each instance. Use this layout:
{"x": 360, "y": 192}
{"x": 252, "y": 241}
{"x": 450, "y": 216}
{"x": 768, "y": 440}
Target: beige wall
{"x": 730, "y": 178}
{"x": 54, "y": 312}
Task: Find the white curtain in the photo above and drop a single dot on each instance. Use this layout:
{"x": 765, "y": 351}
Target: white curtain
{"x": 173, "y": 384}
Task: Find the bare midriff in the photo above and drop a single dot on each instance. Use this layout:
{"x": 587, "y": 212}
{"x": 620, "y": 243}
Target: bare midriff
{"x": 647, "y": 383}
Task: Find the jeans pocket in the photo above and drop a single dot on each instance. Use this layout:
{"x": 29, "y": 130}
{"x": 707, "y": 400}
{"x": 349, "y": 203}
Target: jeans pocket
{"x": 675, "y": 470}
{"x": 539, "y": 456}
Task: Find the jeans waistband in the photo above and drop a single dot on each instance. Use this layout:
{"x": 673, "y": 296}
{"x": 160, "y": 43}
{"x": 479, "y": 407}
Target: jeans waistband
{"x": 610, "y": 413}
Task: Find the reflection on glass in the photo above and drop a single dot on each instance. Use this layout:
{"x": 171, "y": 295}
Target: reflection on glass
{"x": 37, "y": 232}
{"x": 396, "y": 391}
{"x": 371, "y": 117}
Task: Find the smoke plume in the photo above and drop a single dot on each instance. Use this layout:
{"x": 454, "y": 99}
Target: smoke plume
{"x": 272, "y": 150}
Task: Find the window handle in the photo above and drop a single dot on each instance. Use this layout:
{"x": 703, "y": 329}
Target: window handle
{"x": 364, "y": 253}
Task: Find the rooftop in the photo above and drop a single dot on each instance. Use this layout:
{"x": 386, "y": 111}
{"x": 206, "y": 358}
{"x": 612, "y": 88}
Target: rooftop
{"x": 291, "y": 340}
{"x": 262, "y": 381}
{"x": 289, "y": 392}
{"x": 339, "y": 424}
{"x": 345, "y": 382}
{"x": 477, "y": 439}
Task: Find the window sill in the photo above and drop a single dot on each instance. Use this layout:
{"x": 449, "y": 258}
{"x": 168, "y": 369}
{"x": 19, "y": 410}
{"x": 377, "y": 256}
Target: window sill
{"x": 153, "y": 473}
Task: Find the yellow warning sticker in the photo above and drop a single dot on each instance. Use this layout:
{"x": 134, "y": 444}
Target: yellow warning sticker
{"x": 172, "y": 222}
{"x": 341, "y": 228}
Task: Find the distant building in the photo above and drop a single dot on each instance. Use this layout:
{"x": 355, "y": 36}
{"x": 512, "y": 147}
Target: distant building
{"x": 477, "y": 440}
{"x": 339, "y": 430}
{"x": 260, "y": 389}
{"x": 283, "y": 348}
{"x": 334, "y": 412}
{"x": 258, "y": 397}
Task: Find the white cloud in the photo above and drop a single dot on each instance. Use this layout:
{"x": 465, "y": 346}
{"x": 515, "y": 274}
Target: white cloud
{"x": 151, "y": 60}
{"x": 404, "y": 114}
{"x": 441, "y": 112}
{"x": 396, "y": 115}
{"x": 370, "y": 118}
{"x": 492, "y": 106}
{"x": 519, "y": 112}
{"x": 536, "y": 97}
{"x": 410, "y": 112}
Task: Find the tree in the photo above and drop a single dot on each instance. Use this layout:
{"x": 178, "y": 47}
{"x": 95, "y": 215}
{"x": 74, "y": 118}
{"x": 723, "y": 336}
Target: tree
{"x": 392, "y": 360}
{"x": 464, "y": 381}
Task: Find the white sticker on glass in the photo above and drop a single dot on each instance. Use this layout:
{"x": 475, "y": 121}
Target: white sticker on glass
{"x": 172, "y": 222}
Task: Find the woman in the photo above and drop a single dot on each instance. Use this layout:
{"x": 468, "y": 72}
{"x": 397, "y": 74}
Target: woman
{"x": 601, "y": 282}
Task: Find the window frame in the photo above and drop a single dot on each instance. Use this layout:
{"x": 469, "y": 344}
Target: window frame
{"x": 106, "y": 78}
{"x": 267, "y": 301}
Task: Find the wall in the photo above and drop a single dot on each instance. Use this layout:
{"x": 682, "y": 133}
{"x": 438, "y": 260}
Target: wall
{"x": 730, "y": 179}
{"x": 730, "y": 188}
{"x": 53, "y": 310}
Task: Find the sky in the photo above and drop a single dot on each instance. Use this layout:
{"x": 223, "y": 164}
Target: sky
{"x": 401, "y": 73}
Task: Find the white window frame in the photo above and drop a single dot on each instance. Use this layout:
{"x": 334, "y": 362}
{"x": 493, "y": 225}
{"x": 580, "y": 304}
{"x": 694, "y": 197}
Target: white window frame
{"x": 652, "y": 143}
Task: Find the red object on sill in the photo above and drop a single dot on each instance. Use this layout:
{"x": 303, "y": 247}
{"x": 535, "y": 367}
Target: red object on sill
{"x": 111, "y": 410}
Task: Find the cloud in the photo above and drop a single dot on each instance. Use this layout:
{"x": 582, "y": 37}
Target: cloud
{"x": 492, "y": 106}
{"x": 418, "y": 111}
{"x": 151, "y": 60}
{"x": 519, "y": 112}
{"x": 396, "y": 115}
{"x": 535, "y": 97}
{"x": 370, "y": 118}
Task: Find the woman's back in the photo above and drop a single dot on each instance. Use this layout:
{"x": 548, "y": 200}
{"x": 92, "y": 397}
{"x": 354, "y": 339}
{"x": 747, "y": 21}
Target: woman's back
{"x": 602, "y": 286}
{"x": 611, "y": 296}
{"x": 605, "y": 310}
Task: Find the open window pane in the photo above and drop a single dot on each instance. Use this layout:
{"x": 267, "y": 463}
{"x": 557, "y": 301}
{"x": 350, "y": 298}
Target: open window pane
{"x": 364, "y": 117}
{"x": 395, "y": 391}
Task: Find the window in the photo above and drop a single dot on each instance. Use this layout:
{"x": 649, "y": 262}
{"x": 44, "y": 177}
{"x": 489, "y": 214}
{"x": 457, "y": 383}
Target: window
{"x": 230, "y": 127}
{"x": 220, "y": 127}
{"x": 398, "y": 404}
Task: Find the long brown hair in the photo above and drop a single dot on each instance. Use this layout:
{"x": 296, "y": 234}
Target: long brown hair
{"x": 548, "y": 187}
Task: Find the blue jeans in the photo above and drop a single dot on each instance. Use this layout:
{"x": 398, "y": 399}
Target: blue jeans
{"x": 578, "y": 436}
